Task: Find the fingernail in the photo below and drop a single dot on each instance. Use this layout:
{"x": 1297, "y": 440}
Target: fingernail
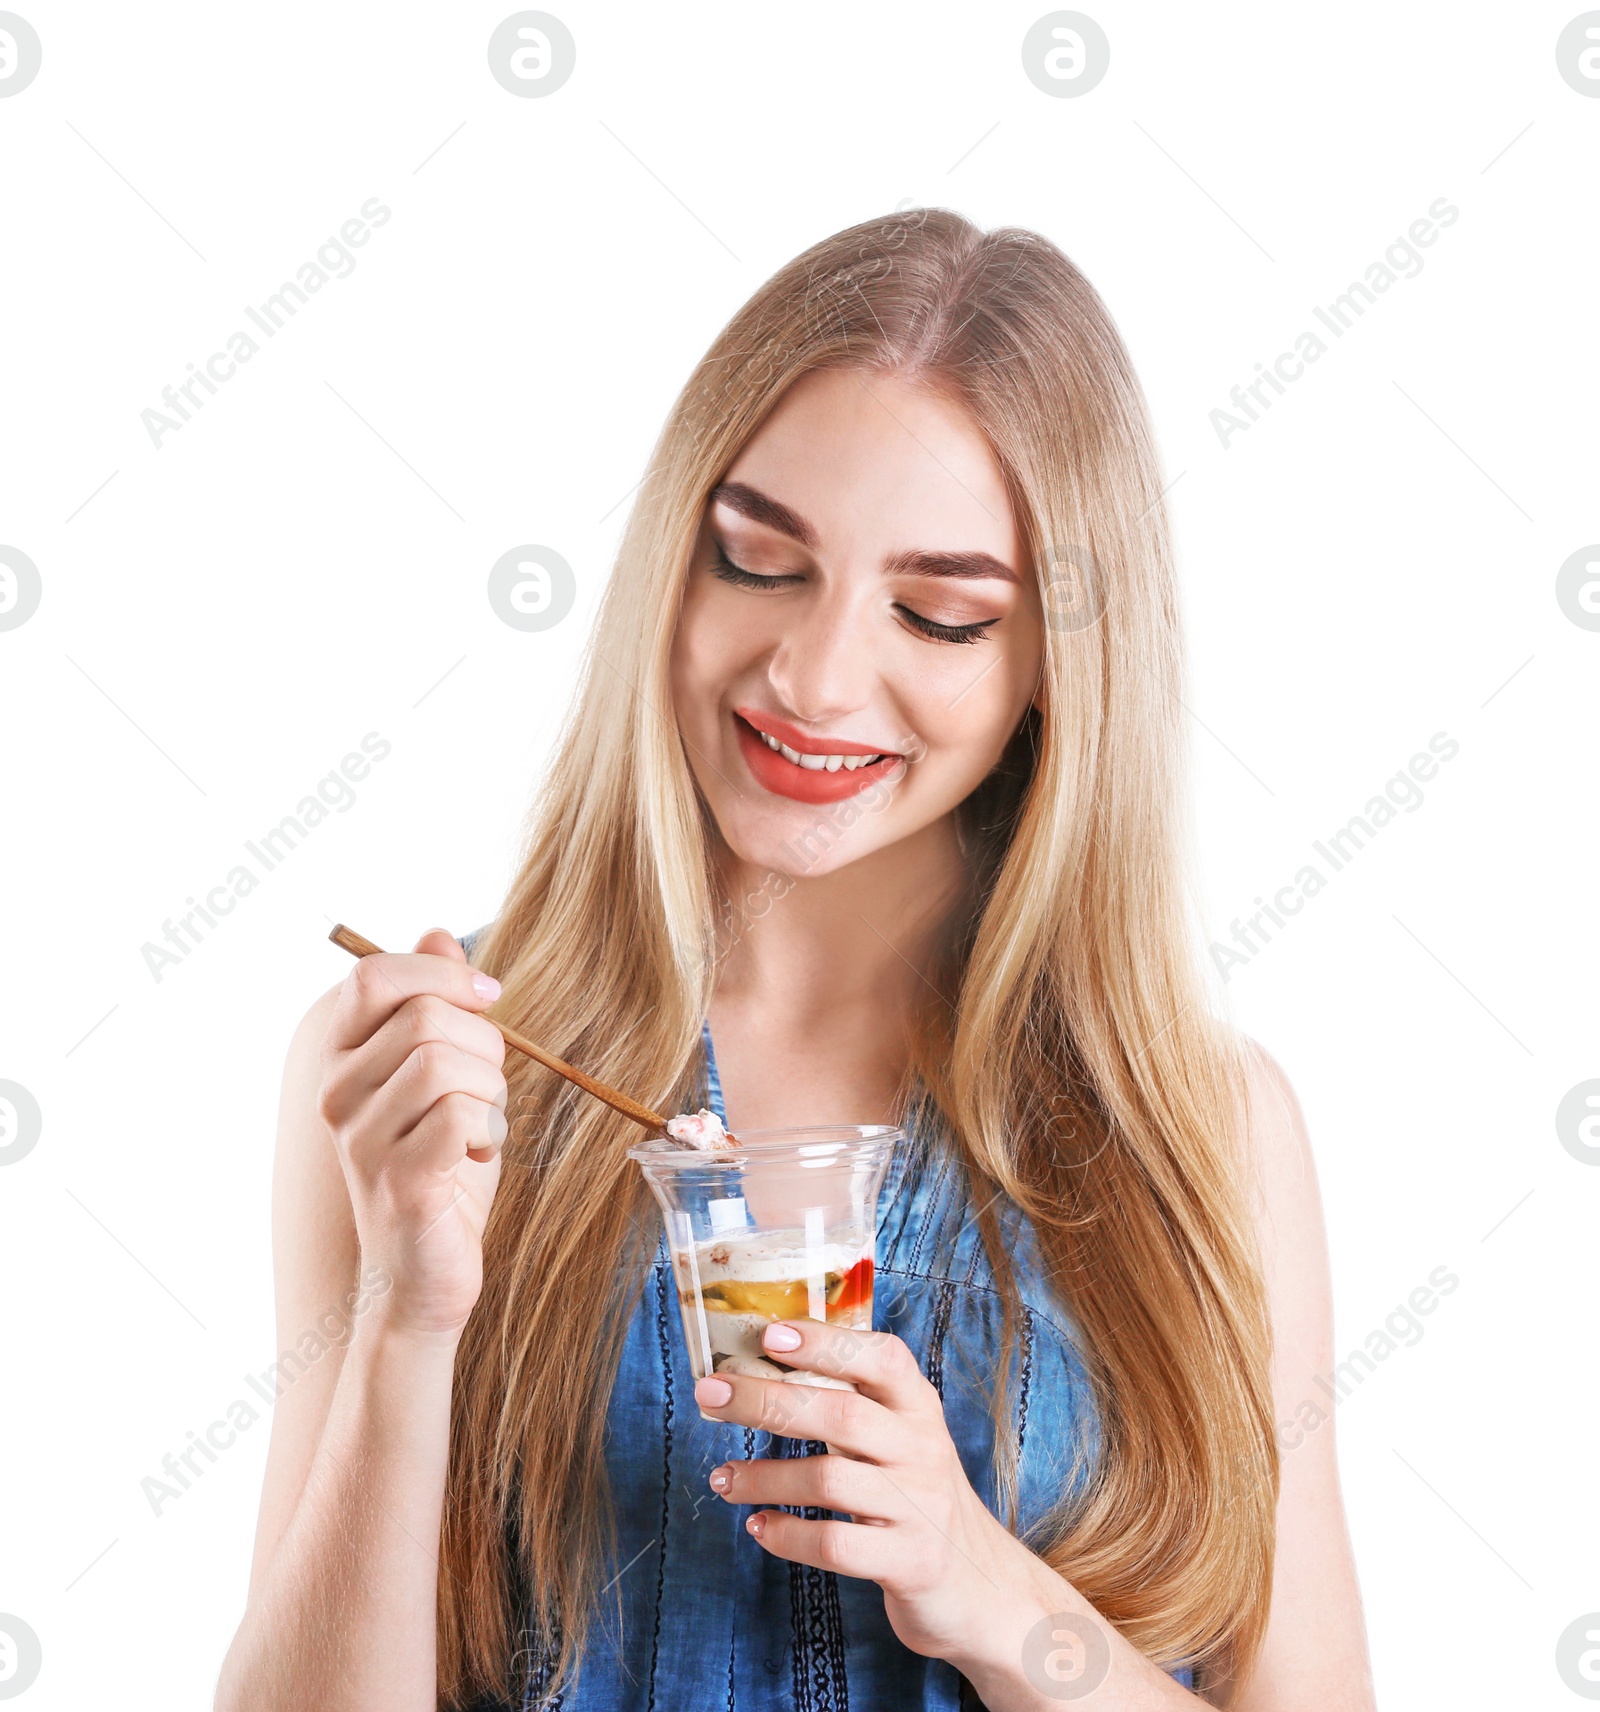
{"x": 781, "y": 1337}
{"x": 721, "y": 1479}
{"x": 497, "y": 1126}
{"x": 712, "y": 1392}
{"x": 756, "y": 1524}
{"x": 486, "y": 986}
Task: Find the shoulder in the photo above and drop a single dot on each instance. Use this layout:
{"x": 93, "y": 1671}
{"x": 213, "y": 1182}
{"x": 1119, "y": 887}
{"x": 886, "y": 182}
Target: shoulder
{"x": 302, "y": 1071}
{"x": 1282, "y": 1167}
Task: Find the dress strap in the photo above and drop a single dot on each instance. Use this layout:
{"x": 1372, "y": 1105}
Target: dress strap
{"x": 467, "y": 941}
{"x": 713, "y": 1080}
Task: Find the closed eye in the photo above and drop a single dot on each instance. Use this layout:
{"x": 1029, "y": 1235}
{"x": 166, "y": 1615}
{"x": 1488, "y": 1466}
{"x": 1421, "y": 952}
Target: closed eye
{"x": 937, "y": 632}
{"x": 741, "y": 578}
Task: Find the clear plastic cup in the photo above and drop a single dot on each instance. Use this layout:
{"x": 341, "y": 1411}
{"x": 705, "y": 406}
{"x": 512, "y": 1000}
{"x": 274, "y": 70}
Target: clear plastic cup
{"x": 781, "y": 1226}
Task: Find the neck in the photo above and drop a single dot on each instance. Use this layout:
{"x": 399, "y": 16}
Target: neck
{"x": 866, "y": 934}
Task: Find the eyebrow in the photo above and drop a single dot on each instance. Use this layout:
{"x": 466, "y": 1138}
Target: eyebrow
{"x": 914, "y": 561}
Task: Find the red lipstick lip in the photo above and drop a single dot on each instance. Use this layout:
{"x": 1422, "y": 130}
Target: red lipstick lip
{"x": 772, "y": 772}
{"x": 797, "y": 739}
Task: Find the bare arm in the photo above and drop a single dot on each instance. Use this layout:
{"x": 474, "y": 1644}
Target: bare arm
{"x": 1314, "y": 1657}
{"x": 378, "y": 1208}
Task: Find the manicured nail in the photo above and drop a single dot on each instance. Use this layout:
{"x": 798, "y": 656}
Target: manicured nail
{"x": 781, "y": 1337}
{"x": 497, "y": 1126}
{"x": 721, "y": 1479}
{"x": 756, "y": 1524}
{"x": 486, "y": 986}
{"x": 712, "y": 1392}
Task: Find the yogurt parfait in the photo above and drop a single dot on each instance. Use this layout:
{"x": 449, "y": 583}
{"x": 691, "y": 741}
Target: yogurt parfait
{"x": 771, "y": 1225}
{"x": 732, "y": 1288}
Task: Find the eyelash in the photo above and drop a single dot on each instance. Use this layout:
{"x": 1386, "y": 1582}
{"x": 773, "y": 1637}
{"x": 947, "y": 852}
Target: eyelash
{"x": 935, "y": 632}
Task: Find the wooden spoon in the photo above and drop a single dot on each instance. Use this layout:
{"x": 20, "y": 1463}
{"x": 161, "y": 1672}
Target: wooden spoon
{"x": 653, "y": 1121}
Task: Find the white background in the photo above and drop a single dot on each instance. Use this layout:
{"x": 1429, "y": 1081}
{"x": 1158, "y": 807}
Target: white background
{"x": 305, "y": 562}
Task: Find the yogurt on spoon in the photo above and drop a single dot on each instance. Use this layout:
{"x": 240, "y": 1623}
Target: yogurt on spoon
{"x": 702, "y": 1131}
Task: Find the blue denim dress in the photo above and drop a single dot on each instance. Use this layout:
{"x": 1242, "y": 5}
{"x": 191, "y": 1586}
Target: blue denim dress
{"x": 714, "y": 1622}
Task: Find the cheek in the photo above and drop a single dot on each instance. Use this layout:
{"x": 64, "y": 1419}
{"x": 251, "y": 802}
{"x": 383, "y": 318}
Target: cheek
{"x": 968, "y": 707}
{"x": 700, "y": 659}
{"x": 717, "y": 639}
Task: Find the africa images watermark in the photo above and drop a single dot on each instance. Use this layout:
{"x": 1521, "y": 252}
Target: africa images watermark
{"x": 1066, "y": 1656}
{"x": 1402, "y": 260}
{"x": 180, "y": 1469}
{"x": 335, "y": 794}
{"x": 1401, "y": 1329}
{"x": 333, "y": 260}
{"x": 1401, "y": 793}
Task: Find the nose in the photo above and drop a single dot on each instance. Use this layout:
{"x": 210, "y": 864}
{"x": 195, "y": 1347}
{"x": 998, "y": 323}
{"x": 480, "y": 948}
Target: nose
{"x": 824, "y": 665}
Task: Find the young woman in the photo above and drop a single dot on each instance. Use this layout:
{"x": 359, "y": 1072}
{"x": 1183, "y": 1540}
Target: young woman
{"x": 907, "y": 509}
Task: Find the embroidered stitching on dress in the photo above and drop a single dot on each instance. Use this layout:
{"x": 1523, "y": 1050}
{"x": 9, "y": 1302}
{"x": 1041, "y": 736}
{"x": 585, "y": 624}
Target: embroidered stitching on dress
{"x": 538, "y": 1666}
{"x": 1026, "y": 1380}
{"x": 733, "y": 1638}
{"x": 666, "y": 1471}
{"x": 943, "y": 1303}
{"x": 820, "y": 1681}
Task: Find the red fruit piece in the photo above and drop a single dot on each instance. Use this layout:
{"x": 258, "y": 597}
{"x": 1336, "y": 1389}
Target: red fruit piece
{"x": 854, "y": 1288}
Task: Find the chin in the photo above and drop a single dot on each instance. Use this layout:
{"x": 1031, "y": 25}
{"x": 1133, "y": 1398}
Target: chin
{"x": 804, "y": 844}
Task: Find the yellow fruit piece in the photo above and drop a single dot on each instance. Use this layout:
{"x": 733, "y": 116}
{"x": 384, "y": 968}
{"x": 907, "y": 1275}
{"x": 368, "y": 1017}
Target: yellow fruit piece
{"x": 777, "y": 1298}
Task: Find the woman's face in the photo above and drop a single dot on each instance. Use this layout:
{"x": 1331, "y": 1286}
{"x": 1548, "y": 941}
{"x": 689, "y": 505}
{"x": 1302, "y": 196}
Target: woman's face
{"x": 858, "y": 594}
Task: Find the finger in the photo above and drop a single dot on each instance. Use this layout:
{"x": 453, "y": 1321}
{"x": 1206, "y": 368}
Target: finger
{"x": 433, "y": 1072}
{"x": 879, "y": 1365}
{"x": 378, "y": 985}
{"x": 856, "y": 1489}
{"x": 441, "y": 942}
{"x": 429, "y": 1073}
{"x": 418, "y": 1022}
{"x": 853, "y": 1424}
{"x": 453, "y": 1127}
{"x": 846, "y": 1548}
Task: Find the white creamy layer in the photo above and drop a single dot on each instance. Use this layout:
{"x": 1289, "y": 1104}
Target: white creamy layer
{"x": 776, "y": 1256}
{"x": 736, "y": 1339}
{"x": 754, "y": 1367}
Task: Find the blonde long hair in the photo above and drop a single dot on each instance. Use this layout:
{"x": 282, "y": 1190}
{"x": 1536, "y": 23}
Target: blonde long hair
{"x": 1076, "y": 1067}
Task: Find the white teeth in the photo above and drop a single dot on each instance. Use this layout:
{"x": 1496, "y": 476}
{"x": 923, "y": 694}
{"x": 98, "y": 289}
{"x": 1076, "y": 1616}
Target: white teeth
{"x": 818, "y": 763}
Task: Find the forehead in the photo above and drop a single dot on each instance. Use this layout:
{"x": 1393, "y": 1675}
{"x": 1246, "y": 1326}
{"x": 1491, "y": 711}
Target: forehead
{"x": 872, "y": 462}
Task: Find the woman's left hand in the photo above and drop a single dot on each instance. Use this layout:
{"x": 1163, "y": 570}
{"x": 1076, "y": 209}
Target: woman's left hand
{"x": 947, "y": 1567}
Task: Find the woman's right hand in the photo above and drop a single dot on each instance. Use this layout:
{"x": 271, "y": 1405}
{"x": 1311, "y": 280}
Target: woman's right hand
{"x": 413, "y": 1092}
